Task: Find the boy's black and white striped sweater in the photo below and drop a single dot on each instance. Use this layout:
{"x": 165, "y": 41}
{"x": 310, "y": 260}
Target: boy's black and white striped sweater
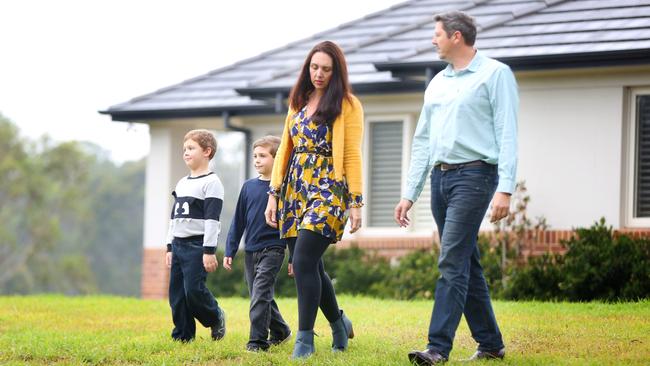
{"x": 197, "y": 209}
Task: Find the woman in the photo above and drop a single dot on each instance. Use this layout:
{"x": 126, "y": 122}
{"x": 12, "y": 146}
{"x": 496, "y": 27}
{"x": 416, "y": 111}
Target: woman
{"x": 317, "y": 181}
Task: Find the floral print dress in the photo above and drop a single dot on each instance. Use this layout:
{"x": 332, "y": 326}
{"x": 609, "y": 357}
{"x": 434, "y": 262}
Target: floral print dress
{"x": 311, "y": 198}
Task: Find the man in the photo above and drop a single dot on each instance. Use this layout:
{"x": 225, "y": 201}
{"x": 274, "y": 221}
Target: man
{"x": 467, "y": 132}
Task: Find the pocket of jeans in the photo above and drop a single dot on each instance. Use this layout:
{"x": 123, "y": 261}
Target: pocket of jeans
{"x": 478, "y": 177}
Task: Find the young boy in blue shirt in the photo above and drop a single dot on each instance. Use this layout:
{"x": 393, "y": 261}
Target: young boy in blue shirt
{"x": 264, "y": 250}
{"x": 192, "y": 241}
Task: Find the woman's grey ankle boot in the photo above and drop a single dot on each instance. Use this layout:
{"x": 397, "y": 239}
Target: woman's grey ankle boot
{"x": 341, "y": 332}
{"x": 304, "y": 346}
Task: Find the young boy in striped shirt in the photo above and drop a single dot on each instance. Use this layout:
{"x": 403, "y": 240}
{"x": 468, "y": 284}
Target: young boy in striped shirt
{"x": 192, "y": 241}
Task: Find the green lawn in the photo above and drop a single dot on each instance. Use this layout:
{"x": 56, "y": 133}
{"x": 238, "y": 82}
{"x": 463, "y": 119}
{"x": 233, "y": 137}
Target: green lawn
{"x": 117, "y": 331}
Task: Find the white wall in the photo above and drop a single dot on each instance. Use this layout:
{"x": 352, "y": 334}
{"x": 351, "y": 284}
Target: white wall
{"x": 570, "y": 154}
{"x": 571, "y": 143}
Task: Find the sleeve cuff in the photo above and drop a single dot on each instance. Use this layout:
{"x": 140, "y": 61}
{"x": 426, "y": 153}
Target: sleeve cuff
{"x": 169, "y": 248}
{"x": 356, "y": 200}
{"x": 209, "y": 250}
{"x": 506, "y": 186}
{"x": 275, "y": 192}
{"x": 410, "y": 195}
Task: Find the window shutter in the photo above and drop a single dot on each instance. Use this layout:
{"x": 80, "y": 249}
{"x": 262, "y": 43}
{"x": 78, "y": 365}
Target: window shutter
{"x": 642, "y": 191}
{"x": 385, "y": 178}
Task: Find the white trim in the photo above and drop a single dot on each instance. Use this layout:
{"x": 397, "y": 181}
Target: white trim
{"x": 630, "y": 160}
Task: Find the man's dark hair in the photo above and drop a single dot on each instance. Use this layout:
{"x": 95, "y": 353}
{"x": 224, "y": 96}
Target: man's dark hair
{"x": 457, "y": 21}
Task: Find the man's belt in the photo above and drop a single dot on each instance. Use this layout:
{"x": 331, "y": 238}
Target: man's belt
{"x": 444, "y": 166}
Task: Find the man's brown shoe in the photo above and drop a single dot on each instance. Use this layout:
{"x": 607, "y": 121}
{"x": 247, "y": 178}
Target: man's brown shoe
{"x": 489, "y": 355}
{"x": 426, "y": 357}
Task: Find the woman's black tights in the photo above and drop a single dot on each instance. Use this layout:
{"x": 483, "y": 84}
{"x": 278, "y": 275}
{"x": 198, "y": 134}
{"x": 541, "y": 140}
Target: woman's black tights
{"x": 313, "y": 285}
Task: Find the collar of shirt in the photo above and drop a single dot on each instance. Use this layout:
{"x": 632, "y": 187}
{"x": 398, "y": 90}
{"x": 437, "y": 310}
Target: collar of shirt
{"x": 472, "y": 67}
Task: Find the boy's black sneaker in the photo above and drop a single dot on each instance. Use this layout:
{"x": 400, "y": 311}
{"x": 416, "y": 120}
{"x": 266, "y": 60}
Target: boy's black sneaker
{"x": 251, "y": 347}
{"x": 218, "y": 331}
{"x": 278, "y": 341}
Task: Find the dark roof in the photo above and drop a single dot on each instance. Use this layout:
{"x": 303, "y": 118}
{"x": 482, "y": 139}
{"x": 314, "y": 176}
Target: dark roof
{"x": 390, "y": 51}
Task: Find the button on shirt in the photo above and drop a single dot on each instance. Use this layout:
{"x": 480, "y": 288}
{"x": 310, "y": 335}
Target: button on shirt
{"x": 468, "y": 115}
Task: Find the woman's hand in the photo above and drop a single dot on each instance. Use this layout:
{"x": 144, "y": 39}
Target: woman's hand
{"x": 270, "y": 212}
{"x": 355, "y": 219}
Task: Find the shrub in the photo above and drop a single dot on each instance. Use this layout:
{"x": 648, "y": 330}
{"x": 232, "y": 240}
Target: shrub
{"x": 357, "y": 272}
{"x": 414, "y": 277}
{"x": 604, "y": 266}
{"x": 598, "y": 265}
{"x": 537, "y": 280}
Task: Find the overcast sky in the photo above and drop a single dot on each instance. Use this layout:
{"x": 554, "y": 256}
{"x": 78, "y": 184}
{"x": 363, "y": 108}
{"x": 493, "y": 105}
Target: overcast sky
{"x": 62, "y": 61}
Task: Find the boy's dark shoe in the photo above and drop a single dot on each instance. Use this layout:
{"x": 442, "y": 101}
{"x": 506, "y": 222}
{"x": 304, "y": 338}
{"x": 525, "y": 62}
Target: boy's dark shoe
{"x": 488, "y": 355}
{"x": 253, "y": 347}
{"x": 279, "y": 341}
{"x": 218, "y": 331}
{"x": 426, "y": 357}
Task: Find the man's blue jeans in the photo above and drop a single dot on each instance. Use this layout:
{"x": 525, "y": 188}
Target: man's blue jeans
{"x": 459, "y": 201}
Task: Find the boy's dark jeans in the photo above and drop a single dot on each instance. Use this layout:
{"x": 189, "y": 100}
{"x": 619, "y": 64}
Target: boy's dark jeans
{"x": 189, "y": 298}
{"x": 262, "y": 269}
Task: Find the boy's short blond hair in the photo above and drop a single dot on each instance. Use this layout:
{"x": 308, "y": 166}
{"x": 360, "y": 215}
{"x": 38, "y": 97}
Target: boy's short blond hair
{"x": 270, "y": 142}
{"x": 204, "y": 138}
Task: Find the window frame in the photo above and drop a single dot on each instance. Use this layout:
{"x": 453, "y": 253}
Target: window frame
{"x": 631, "y": 161}
{"x": 408, "y": 128}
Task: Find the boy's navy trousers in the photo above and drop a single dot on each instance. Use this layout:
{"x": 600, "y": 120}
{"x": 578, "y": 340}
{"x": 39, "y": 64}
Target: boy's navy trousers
{"x": 189, "y": 298}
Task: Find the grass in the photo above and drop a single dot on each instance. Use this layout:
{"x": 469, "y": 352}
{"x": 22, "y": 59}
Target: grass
{"x": 105, "y": 330}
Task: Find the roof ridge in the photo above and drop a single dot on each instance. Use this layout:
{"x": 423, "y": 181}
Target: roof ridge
{"x": 489, "y": 25}
{"x": 267, "y": 53}
{"x": 381, "y": 37}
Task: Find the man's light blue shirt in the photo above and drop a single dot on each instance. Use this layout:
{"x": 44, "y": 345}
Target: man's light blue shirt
{"x": 468, "y": 115}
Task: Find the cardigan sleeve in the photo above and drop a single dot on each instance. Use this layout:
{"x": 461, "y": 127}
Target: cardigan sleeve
{"x": 281, "y": 157}
{"x": 352, "y": 164}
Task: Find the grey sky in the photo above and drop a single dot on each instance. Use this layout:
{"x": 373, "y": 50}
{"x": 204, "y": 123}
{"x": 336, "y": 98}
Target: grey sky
{"x": 61, "y": 61}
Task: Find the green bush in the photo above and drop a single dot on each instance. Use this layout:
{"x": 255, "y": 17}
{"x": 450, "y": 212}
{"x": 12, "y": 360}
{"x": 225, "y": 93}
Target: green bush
{"x": 598, "y": 265}
{"x": 601, "y": 265}
{"x": 414, "y": 277}
{"x": 537, "y": 280}
{"x": 356, "y": 272}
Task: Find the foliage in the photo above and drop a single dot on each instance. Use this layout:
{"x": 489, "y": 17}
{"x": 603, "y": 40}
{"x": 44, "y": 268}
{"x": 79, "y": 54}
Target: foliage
{"x": 356, "y": 272}
{"x": 598, "y": 265}
{"x": 414, "y": 277}
{"x": 64, "y": 207}
{"x": 604, "y": 266}
{"x": 537, "y": 280}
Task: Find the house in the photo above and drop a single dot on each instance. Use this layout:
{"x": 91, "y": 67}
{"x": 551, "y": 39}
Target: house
{"x": 583, "y": 69}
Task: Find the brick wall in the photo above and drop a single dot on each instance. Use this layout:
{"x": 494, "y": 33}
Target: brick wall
{"x": 155, "y": 274}
{"x": 536, "y": 243}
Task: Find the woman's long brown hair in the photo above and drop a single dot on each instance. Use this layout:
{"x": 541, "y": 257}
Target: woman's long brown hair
{"x": 338, "y": 88}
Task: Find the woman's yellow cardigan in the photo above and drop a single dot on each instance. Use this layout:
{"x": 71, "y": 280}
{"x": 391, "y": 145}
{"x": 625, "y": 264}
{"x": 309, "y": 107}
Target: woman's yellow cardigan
{"x": 347, "y": 134}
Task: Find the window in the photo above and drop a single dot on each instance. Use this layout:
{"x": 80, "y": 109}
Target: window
{"x": 642, "y": 161}
{"x": 637, "y": 200}
{"x": 385, "y": 172}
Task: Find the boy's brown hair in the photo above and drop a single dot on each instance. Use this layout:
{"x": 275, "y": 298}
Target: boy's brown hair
{"x": 204, "y": 138}
{"x": 270, "y": 142}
